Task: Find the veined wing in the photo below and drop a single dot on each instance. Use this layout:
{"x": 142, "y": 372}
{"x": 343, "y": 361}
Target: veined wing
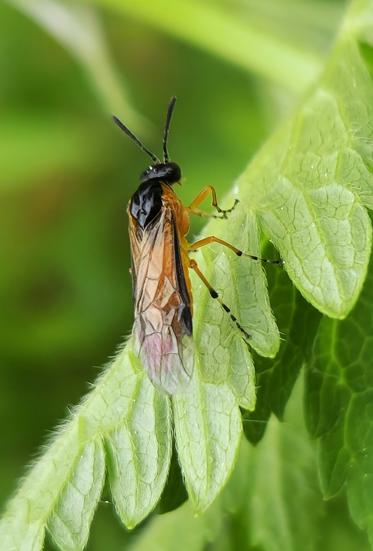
{"x": 163, "y": 320}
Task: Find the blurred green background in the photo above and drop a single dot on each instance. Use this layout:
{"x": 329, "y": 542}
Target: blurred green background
{"x": 66, "y": 173}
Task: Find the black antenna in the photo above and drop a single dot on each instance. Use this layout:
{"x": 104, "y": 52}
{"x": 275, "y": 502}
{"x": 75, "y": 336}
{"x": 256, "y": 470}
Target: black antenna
{"x": 170, "y": 109}
{"x": 134, "y": 138}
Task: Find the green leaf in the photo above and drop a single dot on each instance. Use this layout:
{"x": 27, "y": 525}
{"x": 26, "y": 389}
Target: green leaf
{"x": 298, "y": 323}
{"x": 308, "y": 184}
{"x": 207, "y": 429}
{"x": 71, "y": 521}
{"x": 283, "y": 501}
{"x": 272, "y": 501}
{"x": 207, "y": 417}
{"x": 360, "y": 20}
{"x": 63, "y": 487}
{"x": 224, "y": 356}
{"x": 307, "y": 189}
{"x": 139, "y": 455}
{"x": 339, "y": 406}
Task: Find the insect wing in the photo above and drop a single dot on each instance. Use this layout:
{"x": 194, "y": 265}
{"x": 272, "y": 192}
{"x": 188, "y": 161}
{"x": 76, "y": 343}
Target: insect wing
{"x": 162, "y": 329}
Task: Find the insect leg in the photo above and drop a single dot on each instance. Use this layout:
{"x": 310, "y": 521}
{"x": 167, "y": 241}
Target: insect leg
{"x": 215, "y": 295}
{"x": 203, "y": 214}
{"x": 238, "y": 252}
{"x": 193, "y": 207}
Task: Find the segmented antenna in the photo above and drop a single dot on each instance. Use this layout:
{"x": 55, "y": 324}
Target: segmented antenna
{"x": 135, "y": 139}
{"x": 170, "y": 110}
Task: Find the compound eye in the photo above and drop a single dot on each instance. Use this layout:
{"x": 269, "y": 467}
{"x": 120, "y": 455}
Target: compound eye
{"x": 174, "y": 173}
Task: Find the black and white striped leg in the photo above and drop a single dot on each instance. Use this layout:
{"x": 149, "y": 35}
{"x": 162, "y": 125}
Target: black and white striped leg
{"x": 215, "y": 295}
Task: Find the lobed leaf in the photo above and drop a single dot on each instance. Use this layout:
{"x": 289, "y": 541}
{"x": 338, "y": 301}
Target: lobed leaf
{"x": 307, "y": 190}
{"x": 241, "y": 283}
{"x": 275, "y": 378}
{"x": 207, "y": 418}
{"x": 71, "y": 520}
{"x": 207, "y": 430}
{"x": 339, "y": 406}
{"x": 308, "y": 185}
{"x": 63, "y": 487}
{"x": 139, "y": 455}
{"x": 268, "y": 503}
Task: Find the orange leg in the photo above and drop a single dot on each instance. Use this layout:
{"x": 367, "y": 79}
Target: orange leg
{"x": 193, "y": 207}
{"x": 215, "y": 295}
{"x": 238, "y": 252}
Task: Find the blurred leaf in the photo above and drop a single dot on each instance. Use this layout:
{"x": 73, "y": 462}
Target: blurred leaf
{"x": 338, "y": 531}
{"x": 180, "y": 529}
{"x": 78, "y": 29}
{"x": 360, "y": 19}
{"x": 309, "y": 24}
{"x": 283, "y": 501}
{"x": 219, "y": 31}
{"x": 32, "y": 146}
{"x": 339, "y": 406}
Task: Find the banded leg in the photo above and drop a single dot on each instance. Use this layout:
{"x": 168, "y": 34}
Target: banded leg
{"x": 193, "y": 207}
{"x": 238, "y": 252}
{"x": 215, "y": 295}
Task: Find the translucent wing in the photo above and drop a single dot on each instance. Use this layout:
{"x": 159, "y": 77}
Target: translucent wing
{"x": 163, "y": 320}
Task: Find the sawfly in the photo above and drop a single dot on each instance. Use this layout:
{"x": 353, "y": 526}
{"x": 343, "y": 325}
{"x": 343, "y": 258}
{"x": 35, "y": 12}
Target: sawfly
{"x": 158, "y": 228}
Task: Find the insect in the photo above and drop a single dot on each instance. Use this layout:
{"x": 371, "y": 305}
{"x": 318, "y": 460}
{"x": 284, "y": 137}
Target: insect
{"x": 158, "y": 226}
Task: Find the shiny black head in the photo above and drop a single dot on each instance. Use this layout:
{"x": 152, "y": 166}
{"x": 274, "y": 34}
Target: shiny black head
{"x": 169, "y": 173}
{"x": 165, "y": 171}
